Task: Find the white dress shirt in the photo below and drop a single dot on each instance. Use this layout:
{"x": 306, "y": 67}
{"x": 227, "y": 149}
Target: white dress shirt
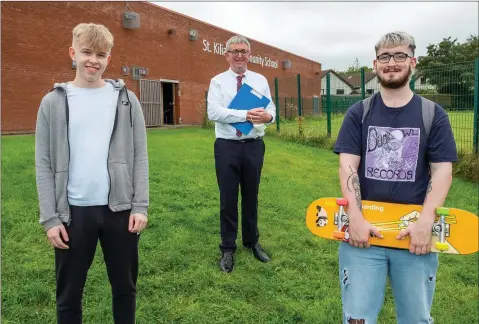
{"x": 223, "y": 88}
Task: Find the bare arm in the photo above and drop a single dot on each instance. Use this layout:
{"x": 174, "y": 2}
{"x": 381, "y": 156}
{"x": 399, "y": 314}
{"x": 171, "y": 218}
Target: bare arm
{"x": 359, "y": 228}
{"x": 350, "y": 187}
{"x": 420, "y": 232}
{"x": 441, "y": 180}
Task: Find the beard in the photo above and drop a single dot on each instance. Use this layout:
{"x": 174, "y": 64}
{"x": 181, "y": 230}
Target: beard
{"x": 395, "y": 83}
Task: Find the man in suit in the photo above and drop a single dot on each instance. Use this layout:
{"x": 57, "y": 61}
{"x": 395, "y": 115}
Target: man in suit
{"x": 238, "y": 157}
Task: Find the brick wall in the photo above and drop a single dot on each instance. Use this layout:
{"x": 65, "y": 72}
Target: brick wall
{"x": 36, "y": 36}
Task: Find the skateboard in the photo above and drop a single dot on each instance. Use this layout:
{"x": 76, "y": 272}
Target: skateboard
{"x": 454, "y": 231}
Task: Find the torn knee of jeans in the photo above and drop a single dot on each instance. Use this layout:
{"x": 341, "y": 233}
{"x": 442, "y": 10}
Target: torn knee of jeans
{"x": 356, "y": 320}
{"x": 345, "y": 276}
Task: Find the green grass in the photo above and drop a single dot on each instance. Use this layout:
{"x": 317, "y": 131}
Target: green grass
{"x": 462, "y": 123}
{"x": 179, "y": 280}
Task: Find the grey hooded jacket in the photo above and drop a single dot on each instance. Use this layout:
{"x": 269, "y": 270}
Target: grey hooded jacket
{"x": 127, "y": 156}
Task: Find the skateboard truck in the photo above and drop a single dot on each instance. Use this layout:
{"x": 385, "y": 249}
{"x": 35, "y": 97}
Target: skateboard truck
{"x": 440, "y": 229}
{"x": 341, "y": 218}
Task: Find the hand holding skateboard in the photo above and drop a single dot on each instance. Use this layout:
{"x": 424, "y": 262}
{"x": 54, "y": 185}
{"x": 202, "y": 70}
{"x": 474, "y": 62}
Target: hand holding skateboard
{"x": 454, "y": 231}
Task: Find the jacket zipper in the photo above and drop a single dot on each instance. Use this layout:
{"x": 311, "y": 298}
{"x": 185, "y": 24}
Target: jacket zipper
{"x": 109, "y": 146}
{"x": 67, "y": 113}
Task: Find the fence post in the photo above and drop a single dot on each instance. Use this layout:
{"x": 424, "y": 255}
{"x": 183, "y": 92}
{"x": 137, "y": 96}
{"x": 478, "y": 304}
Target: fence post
{"x": 276, "y": 99}
{"x": 300, "y": 108}
{"x": 363, "y": 84}
{"x": 206, "y": 101}
{"x": 476, "y": 103}
{"x": 328, "y": 102}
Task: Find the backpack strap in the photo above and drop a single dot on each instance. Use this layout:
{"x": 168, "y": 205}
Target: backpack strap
{"x": 428, "y": 110}
{"x": 367, "y": 103}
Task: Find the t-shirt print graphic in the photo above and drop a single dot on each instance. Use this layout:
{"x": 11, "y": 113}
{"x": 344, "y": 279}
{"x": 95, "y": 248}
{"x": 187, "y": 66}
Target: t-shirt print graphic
{"x": 392, "y": 153}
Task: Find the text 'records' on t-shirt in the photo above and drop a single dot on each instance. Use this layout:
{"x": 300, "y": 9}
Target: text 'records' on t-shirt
{"x": 394, "y": 150}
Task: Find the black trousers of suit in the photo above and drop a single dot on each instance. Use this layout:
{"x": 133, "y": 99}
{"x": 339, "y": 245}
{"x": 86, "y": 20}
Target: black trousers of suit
{"x": 238, "y": 164}
{"x": 120, "y": 250}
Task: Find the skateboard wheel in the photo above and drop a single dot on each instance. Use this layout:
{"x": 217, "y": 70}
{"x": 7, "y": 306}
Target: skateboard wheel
{"x": 341, "y": 202}
{"x": 442, "y": 211}
{"x": 442, "y": 246}
{"x": 339, "y": 235}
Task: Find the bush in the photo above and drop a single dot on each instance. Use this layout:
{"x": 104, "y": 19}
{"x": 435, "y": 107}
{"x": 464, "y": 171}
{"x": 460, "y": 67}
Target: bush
{"x": 319, "y": 141}
{"x": 205, "y": 122}
{"x": 467, "y": 167}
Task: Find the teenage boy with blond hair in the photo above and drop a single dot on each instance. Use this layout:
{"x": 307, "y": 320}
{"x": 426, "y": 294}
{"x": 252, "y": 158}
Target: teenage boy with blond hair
{"x": 92, "y": 177}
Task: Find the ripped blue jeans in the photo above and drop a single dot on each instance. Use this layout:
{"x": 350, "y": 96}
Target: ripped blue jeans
{"x": 363, "y": 274}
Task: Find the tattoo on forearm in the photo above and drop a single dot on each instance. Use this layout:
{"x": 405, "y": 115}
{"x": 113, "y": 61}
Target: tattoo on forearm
{"x": 353, "y": 185}
{"x": 429, "y": 188}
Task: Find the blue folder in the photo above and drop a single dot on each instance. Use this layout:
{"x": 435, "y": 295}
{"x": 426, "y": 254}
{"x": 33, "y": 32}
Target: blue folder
{"x": 247, "y": 98}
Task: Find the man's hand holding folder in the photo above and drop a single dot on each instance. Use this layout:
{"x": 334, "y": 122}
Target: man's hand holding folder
{"x": 258, "y": 116}
{"x": 249, "y": 99}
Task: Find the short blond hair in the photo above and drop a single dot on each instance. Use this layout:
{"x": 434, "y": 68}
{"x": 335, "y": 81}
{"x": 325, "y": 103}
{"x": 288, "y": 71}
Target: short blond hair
{"x": 94, "y": 36}
{"x": 394, "y": 39}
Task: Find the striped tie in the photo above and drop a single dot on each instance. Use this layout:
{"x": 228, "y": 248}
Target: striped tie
{"x": 238, "y": 86}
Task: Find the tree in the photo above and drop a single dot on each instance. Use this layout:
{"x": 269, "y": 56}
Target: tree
{"x": 353, "y": 70}
{"x": 449, "y": 52}
{"x": 449, "y": 65}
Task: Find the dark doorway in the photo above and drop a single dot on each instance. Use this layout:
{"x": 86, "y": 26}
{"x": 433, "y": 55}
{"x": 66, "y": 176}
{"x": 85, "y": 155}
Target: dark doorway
{"x": 168, "y": 104}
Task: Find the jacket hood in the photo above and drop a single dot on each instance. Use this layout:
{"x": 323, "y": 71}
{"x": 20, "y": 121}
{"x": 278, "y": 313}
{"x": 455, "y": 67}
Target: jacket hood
{"x": 117, "y": 84}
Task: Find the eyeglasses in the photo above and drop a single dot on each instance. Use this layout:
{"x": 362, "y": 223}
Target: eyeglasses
{"x": 236, "y": 53}
{"x": 398, "y": 57}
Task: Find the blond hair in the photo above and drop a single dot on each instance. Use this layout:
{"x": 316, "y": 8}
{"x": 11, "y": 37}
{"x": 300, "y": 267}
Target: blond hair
{"x": 94, "y": 36}
{"x": 394, "y": 39}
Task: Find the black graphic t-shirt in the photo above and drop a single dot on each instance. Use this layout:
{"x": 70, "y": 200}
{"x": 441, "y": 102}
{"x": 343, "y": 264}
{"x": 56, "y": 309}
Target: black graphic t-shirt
{"x": 394, "y": 150}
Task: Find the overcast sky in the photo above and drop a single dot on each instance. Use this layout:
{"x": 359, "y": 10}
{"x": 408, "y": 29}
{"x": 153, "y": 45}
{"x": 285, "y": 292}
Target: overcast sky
{"x": 335, "y": 34}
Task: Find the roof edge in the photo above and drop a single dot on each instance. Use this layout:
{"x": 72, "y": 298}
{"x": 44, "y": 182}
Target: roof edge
{"x": 226, "y": 30}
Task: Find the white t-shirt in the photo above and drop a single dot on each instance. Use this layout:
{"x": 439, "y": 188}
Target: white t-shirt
{"x": 91, "y": 119}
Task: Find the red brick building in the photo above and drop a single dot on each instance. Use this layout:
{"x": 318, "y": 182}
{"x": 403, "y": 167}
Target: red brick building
{"x": 168, "y": 60}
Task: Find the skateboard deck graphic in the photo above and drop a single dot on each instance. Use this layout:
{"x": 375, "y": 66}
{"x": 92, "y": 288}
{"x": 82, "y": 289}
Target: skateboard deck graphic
{"x": 455, "y": 231}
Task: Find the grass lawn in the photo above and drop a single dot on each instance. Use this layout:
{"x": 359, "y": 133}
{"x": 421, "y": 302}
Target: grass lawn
{"x": 179, "y": 280}
{"x": 462, "y": 123}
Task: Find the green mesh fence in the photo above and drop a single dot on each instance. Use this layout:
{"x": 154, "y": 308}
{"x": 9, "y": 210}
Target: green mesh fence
{"x": 288, "y": 98}
{"x": 322, "y": 105}
{"x": 453, "y": 88}
{"x": 299, "y": 116}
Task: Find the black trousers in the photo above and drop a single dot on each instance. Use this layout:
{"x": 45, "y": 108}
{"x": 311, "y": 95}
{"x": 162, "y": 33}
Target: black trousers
{"x": 238, "y": 164}
{"x": 120, "y": 249}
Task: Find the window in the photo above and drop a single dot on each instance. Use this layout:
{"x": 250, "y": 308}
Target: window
{"x": 370, "y": 91}
{"x": 339, "y": 91}
{"x": 136, "y": 73}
